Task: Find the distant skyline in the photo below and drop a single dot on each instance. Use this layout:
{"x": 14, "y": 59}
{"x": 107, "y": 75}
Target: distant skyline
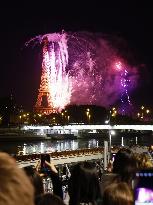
{"x": 21, "y": 67}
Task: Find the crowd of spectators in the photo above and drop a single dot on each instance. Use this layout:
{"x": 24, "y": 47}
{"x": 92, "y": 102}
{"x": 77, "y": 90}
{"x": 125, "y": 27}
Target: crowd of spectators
{"x": 115, "y": 186}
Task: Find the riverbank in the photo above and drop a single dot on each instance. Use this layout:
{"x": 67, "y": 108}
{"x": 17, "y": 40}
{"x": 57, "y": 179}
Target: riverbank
{"x": 62, "y": 157}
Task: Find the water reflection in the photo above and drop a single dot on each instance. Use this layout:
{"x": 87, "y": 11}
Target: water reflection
{"x": 93, "y": 143}
{"x": 49, "y": 146}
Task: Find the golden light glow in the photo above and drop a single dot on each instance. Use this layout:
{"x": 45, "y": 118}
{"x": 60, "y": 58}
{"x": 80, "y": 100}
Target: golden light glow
{"x": 147, "y": 111}
{"x": 87, "y": 113}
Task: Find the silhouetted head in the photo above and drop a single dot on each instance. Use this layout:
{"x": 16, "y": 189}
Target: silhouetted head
{"x": 84, "y": 184}
{"x": 48, "y": 199}
{"x": 125, "y": 165}
{"x": 118, "y": 194}
{"x": 15, "y": 186}
{"x": 145, "y": 161}
{"x": 35, "y": 179}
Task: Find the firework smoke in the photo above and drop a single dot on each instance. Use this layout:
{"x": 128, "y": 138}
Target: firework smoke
{"x": 86, "y": 69}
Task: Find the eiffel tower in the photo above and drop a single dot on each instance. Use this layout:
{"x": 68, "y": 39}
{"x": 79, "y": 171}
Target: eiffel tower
{"x": 44, "y": 100}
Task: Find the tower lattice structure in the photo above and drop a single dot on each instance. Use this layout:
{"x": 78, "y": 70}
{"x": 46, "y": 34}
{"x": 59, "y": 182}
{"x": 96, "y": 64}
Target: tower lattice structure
{"x": 44, "y": 102}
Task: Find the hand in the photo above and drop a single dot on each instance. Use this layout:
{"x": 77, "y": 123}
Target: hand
{"x": 37, "y": 165}
{"x": 38, "y": 168}
{"x": 52, "y": 166}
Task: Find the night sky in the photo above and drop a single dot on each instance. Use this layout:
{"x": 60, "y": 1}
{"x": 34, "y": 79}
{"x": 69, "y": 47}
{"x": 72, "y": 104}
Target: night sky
{"x": 21, "y": 66}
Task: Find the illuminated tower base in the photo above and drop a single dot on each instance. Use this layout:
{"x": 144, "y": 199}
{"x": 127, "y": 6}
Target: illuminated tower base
{"x": 42, "y": 104}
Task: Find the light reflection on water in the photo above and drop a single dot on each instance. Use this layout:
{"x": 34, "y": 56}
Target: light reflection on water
{"x": 49, "y": 146}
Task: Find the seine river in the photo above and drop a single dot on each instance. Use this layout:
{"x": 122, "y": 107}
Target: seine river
{"x": 61, "y": 145}
{"x": 48, "y": 146}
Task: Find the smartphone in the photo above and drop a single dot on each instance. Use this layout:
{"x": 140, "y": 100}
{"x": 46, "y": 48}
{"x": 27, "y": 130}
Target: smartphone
{"x": 143, "y": 187}
{"x": 44, "y": 157}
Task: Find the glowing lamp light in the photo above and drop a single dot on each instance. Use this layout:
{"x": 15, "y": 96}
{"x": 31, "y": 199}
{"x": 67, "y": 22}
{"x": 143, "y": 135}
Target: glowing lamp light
{"x": 107, "y": 121}
{"x": 112, "y": 132}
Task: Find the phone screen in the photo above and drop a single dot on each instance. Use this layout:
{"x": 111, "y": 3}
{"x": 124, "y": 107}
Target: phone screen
{"x": 44, "y": 157}
{"x": 144, "y": 187}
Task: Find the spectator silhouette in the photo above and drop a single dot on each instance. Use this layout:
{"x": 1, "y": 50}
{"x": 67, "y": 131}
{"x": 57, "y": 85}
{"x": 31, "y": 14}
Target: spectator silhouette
{"x": 118, "y": 194}
{"x": 125, "y": 165}
{"x": 15, "y": 186}
{"x": 84, "y": 184}
{"x": 48, "y": 199}
{"x": 35, "y": 179}
{"x": 124, "y": 169}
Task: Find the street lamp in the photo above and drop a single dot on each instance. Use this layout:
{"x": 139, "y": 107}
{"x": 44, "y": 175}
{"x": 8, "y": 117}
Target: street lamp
{"x": 68, "y": 118}
{"x": 88, "y": 115}
{"x": 147, "y": 111}
{"x": 106, "y": 121}
{"x": 111, "y": 132}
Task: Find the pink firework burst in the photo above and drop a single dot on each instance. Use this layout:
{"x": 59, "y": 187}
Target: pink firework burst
{"x": 83, "y": 70}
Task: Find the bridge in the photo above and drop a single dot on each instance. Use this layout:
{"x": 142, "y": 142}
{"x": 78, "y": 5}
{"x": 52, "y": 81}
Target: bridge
{"x": 75, "y": 128}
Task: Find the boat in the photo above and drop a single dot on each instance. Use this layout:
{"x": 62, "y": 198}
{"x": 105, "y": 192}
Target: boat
{"x": 19, "y": 135}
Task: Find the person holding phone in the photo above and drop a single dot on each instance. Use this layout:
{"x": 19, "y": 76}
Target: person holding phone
{"x": 35, "y": 174}
{"x": 52, "y": 172}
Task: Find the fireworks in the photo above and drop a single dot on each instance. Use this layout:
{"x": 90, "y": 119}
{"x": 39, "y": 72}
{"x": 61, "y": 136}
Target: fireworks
{"x": 81, "y": 70}
{"x": 55, "y": 81}
{"x": 124, "y": 84}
